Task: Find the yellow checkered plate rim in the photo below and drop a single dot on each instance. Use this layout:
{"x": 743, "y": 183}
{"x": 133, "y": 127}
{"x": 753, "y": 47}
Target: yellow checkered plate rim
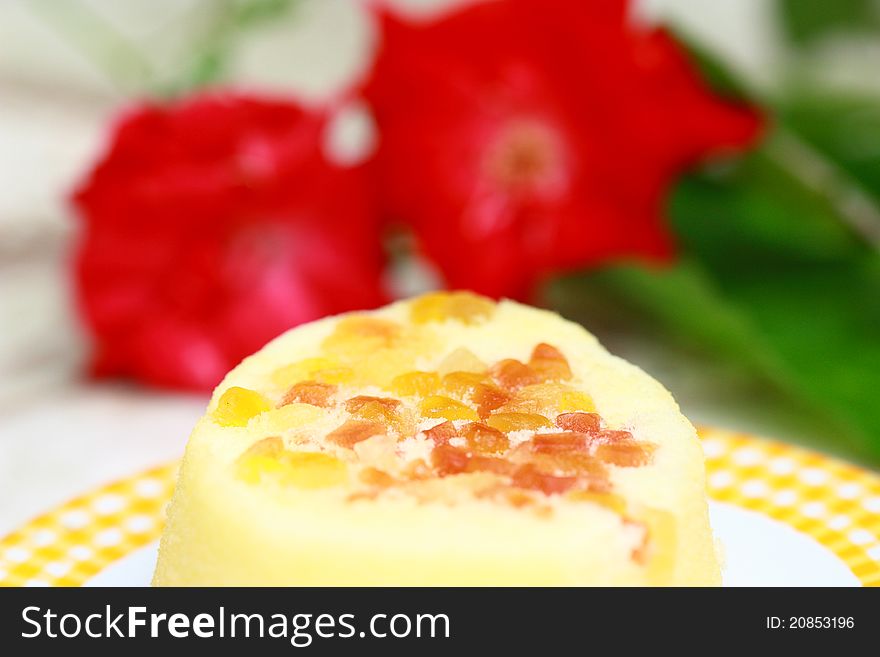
{"x": 835, "y": 503}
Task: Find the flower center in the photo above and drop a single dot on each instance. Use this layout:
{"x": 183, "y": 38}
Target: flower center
{"x": 526, "y": 157}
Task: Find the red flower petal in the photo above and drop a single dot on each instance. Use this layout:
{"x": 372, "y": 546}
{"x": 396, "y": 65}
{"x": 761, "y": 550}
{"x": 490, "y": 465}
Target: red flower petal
{"x": 210, "y": 227}
{"x": 528, "y": 136}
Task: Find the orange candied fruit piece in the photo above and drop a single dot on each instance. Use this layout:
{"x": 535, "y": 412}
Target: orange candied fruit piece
{"x": 582, "y": 422}
{"x": 530, "y": 477}
{"x": 512, "y": 374}
{"x": 354, "y": 431}
{"x": 486, "y": 396}
{"x": 375, "y": 477}
{"x": 612, "y": 436}
{"x": 310, "y": 392}
{"x": 419, "y": 384}
{"x": 237, "y": 406}
{"x": 441, "y": 433}
{"x": 447, "y": 408}
{"x": 361, "y": 402}
{"x": 449, "y": 460}
{"x": 386, "y": 410}
{"x": 540, "y": 398}
{"x": 625, "y": 454}
{"x": 465, "y": 307}
{"x": 508, "y": 422}
{"x": 484, "y": 439}
{"x": 493, "y": 464}
{"x": 563, "y": 441}
{"x": 549, "y": 363}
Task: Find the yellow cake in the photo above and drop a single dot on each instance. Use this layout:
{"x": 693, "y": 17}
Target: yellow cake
{"x": 444, "y": 440}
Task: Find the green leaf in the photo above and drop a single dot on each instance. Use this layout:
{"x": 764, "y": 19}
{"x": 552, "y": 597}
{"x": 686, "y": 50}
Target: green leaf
{"x": 773, "y": 293}
{"x": 807, "y": 21}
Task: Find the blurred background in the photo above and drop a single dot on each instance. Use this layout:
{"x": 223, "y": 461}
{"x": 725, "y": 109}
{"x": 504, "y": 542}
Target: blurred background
{"x": 767, "y": 321}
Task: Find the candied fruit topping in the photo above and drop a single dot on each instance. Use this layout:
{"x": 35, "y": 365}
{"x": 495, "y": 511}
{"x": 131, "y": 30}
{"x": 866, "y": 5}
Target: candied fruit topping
{"x": 307, "y": 470}
{"x": 238, "y": 405}
{"x": 465, "y": 307}
{"x": 355, "y": 431}
{"x": 310, "y": 392}
{"x": 564, "y": 441}
{"x": 463, "y": 383}
{"x": 312, "y": 470}
{"x": 612, "y": 436}
{"x": 323, "y": 370}
{"x": 626, "y": 454}
{"x": 387, "y": 404}
{"x": 448, "y": 460}
{"x": 441, "y": 433}
{"x": 260, "y": 458}
{"x": 358, "y": 331}
{"x": 462, "y": 360}
{"x": 419, "y": 384}
{"x": 528, "y": 476}
{"x": 582, "y": 422}
{"x": 571, "y": 463}
{"x": 493, "y": 464}
{"x": 375, "y": 477}
{"x": 446, "y": 408}
{"x": 549, "y": 363}
{"x": 383, "y": 410}
{"x": 540, "y": 398}
{"x": 512, "y": 374}
{"x": 608, "y": 500}
{"x": 508, "y": 422}
{"x": 488, "y": 398}
{"x": 484, "y": 439}
{"x": 576, "y": 401}
{"x": 271, "y": 446}
{"x": 279, "y": 420}
{"x": 478, "y": 389}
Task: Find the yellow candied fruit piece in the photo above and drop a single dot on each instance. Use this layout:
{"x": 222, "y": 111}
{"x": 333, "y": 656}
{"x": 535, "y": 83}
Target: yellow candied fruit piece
{"x": 541, "y": 398}
{"x": 461, "y": 360}
{"x": 305, "y": 470}
{"x": 446, "y": 408}
{"x": 465, "y": 307}
{"x": 238, "y": 405}
{"x": 507, "y": 422}
{"x": 660, "y": 546}
{"x": 610, "y": 501}
{"x": 576, "y": 401}
{"x": 421, "y": 384}
{"x": 260, "y": 458}
{"x": 463, "y": 383}
{"x": 358, "y": 335}
{"x": 322, "y": 370}
{"x": 279, "y": 420}
{"x": 310, "y": 470}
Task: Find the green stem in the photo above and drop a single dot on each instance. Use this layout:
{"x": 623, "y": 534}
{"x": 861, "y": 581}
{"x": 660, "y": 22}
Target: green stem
{"x": 857, "y": 208}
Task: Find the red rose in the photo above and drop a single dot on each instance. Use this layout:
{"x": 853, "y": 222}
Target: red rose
{"x": 527, "y": 136}
{"x": 210, "y": 227}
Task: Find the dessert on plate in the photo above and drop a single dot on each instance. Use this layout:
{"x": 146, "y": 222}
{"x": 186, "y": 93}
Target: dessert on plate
{"x": 442, "y": 440}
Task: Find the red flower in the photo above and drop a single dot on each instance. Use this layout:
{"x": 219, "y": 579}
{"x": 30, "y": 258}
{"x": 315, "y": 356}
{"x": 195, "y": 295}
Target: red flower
{"x": 527, "y": 136}
{"x": 210, "y": 227}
